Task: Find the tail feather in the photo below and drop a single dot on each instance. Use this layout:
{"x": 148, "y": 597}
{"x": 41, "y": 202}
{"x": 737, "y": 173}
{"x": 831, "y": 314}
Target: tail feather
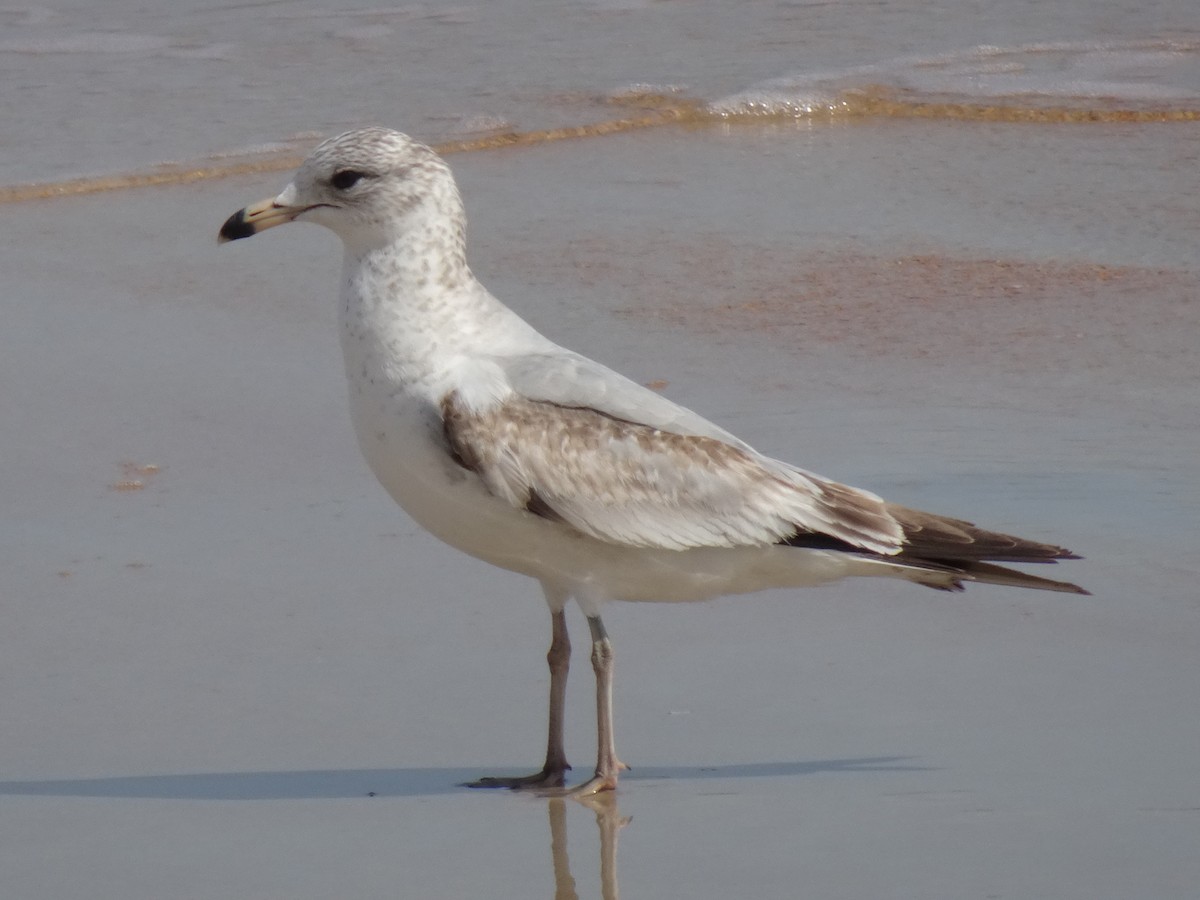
{"x": 949, "y": 575}
{"x": 930, "y": 536}
{"x": 971, "y": 551}
{"x": 941, "y": 552}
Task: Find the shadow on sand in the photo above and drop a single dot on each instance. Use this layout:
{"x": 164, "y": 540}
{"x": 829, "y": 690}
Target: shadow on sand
{"x": 342, "y": 783}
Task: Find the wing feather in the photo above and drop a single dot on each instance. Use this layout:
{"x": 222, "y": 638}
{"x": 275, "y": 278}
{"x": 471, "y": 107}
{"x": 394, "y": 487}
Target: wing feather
{"x": 641, "y": 485}
{"x": 570, "y": 380}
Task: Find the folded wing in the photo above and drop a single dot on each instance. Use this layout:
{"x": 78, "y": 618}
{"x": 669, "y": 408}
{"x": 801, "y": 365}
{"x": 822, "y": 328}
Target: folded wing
{"x": 635, "y": 484}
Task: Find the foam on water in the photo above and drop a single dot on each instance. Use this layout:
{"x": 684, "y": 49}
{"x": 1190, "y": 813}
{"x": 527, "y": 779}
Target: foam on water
{"x": 1150, "y": 75}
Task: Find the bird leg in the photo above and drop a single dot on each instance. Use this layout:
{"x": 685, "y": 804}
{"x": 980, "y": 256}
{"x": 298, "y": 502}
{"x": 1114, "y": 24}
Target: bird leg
{"x": 607, "y": 763}
{"x": 558, "y": 658}
{"x": 554, "y": 771}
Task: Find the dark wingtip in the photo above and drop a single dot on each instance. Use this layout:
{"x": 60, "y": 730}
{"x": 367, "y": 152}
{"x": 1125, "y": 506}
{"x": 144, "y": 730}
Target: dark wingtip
{"x": 235, "y": 228}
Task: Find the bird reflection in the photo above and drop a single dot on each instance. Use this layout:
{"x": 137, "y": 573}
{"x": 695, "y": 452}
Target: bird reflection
{"x": 609, "y": 822}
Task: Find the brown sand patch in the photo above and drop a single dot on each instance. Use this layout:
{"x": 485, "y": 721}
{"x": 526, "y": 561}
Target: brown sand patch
{"x": 929, "y": 306}
{"x": 135, "y": 476}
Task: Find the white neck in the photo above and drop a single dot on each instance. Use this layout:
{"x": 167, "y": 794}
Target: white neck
{"x": 413, "y": 310}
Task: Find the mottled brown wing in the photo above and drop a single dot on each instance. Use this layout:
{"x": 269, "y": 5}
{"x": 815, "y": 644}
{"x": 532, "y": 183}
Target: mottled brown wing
{"x": 632, "y": 484}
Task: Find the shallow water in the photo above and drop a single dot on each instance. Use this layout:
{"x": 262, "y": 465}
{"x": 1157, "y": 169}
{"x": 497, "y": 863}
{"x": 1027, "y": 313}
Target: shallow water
{"x": 221, "y": 637}
{"x": 151, "y": 83}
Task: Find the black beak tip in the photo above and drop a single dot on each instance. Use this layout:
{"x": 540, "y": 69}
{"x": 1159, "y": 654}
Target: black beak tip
{"x": 235, "y": 228}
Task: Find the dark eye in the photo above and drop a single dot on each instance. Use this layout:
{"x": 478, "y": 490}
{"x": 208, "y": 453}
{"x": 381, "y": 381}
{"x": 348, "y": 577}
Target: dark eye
{"x": 346, "y": 179}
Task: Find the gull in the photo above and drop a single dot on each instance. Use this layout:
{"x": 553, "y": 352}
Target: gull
{"x": 538, "y": 460}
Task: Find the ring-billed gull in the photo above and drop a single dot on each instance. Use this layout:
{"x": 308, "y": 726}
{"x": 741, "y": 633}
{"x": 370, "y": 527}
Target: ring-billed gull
{"x": 539, "y": 460}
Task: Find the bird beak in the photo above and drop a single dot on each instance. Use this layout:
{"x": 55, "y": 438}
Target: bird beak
{"x": 258, "y": 217}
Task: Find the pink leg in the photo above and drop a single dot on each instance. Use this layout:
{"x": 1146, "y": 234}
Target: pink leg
{"x": 607, "y": 763}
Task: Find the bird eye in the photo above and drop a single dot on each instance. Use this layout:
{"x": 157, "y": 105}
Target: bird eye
{"x": 346, "y": 179}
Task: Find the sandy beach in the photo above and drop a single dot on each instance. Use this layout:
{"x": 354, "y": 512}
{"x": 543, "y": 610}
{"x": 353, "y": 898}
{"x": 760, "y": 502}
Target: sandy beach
{"x": 232, "y": 667}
